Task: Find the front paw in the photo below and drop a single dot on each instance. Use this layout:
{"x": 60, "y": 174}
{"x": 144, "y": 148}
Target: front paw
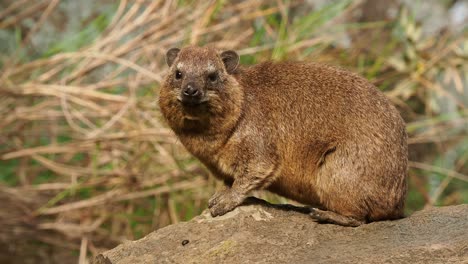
{"x": 224, "y": 201}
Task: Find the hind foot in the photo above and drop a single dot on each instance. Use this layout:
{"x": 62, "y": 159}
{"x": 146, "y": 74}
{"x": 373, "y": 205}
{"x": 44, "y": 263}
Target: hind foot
{"x": 334, "y": 218}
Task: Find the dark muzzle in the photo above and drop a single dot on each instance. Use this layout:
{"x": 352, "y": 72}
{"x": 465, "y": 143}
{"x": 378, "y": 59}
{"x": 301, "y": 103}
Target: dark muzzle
{"x": 191, "y": 95}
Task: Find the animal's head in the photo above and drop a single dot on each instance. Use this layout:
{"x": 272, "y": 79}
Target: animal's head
{"x": 199, "y": 87}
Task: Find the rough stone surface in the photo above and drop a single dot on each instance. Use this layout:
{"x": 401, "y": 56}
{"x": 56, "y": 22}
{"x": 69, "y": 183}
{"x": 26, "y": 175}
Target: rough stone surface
{"x": 263, "y": 233}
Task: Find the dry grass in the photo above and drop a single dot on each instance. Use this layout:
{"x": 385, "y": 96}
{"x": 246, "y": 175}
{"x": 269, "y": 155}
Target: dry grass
{"x": 82, "y": 129}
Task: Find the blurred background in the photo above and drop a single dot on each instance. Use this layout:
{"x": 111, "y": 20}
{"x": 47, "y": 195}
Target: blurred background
{"x": 86, "y": 160}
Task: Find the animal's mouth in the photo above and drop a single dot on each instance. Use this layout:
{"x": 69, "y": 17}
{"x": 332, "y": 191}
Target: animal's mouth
{"x": 193, "y": 109}
{"x": 192, "y": 102}
{"x": 192, "y": 118}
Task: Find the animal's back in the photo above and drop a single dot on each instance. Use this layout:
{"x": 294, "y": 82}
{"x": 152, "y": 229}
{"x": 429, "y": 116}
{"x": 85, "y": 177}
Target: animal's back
{"x": 313, "y": 96}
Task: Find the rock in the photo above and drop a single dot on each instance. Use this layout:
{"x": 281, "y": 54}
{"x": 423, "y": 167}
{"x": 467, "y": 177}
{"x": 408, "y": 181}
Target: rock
{"x": 263, "y": 233}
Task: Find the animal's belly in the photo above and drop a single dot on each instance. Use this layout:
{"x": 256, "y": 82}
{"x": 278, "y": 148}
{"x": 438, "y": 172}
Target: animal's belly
{"x": 300, "y": 164}
{"x": 299, "y": 188}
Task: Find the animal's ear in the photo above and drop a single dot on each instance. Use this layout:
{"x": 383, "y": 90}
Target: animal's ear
{"x": 171, "y": 55}
{"x": 230, "y": 59}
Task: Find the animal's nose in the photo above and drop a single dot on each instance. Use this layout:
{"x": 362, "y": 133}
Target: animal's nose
{"x": 191, "y": 90}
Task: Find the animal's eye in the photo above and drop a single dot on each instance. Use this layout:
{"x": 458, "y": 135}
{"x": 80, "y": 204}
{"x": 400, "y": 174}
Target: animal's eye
{"x": 178, "y": 75}
{"x": 213, "y": 77}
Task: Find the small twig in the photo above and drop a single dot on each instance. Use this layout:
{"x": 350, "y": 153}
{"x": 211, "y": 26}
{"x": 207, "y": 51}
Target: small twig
{"x": 438, "y": 191}
{"x": 172, "y": 210}
{"x": 50, "y": 8}
{"x": 29, "y": 10}
{"x": 447, "y": 172}
{"x": 95, "y": 201}
{"x": 50, "y": 149}
{"x": 83, "y": 249}
{"x": 12, "y": 7}
{"x": 164, "y": 189}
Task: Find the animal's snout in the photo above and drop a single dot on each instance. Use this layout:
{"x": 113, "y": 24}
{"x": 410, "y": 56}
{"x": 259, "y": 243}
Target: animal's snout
{"x": 192, "y": 95}
{"x": 191, "y": 91}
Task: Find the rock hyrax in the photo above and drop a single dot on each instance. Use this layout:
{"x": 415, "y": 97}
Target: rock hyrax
{"x": 319, "y": 135}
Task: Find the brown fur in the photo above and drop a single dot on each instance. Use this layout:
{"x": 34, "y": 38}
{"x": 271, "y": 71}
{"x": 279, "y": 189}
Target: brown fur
{"x": 312, "y": 133}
